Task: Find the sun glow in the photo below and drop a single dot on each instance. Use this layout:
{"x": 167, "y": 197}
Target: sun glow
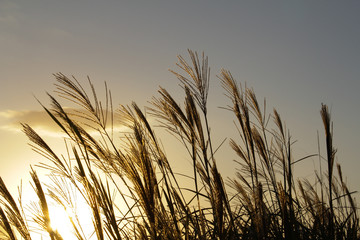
{"x": 63, "y": 218}
{"x": 60, "y": 220}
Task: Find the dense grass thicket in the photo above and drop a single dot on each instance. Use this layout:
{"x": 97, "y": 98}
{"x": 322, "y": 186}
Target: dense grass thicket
{"x": 127, "y": 181}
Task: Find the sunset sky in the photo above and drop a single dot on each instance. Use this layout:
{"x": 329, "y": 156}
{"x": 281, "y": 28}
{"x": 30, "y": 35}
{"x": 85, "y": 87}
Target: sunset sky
{"x": 296, "y": 54}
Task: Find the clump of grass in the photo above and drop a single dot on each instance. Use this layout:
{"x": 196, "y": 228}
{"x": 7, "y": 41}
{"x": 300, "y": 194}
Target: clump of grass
{"x": 133, "y": 192}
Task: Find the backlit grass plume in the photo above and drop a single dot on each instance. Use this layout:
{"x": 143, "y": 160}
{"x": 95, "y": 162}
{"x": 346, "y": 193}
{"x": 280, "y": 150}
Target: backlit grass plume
{"x": 128, "y": 184}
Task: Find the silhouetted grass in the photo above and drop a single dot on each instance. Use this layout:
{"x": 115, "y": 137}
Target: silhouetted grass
{"x": 133, "y": 192}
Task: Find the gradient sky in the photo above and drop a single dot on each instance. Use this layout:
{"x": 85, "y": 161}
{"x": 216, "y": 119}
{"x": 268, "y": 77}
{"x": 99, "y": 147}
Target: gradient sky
{"x": 296, "y": 54}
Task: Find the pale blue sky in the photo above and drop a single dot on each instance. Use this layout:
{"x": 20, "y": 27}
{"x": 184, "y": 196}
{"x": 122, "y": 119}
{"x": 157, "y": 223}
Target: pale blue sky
{"x": 297, "y": 54}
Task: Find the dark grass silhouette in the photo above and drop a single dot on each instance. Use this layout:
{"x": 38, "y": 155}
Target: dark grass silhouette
{"x": 263, "y": 201}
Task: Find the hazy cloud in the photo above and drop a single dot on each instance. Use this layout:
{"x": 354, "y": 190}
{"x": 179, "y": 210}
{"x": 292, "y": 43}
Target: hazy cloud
{"x": 7, "y": 12}
{"x": 37, "y": 119}
{"x": 40, "y": 121}
{"x": 59, "y": 33}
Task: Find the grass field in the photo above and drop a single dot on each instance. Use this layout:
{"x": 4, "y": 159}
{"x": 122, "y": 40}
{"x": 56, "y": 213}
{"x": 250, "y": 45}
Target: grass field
{"x": 132, "y": 192}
